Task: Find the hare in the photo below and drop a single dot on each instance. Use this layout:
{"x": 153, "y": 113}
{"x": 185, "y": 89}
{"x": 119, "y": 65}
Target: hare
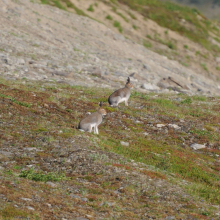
{"x": 121, "y": 95}
{"x": 93, "y": 120}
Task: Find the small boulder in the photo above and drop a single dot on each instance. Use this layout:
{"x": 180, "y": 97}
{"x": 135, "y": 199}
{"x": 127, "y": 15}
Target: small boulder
{"x": 126, "y": 144}
{"x": 176, "y": 127}
{"x": 197, "y": 146}
{"x": 149, "y": 86}
{"x": 217, "y": 59}
{"x": 160, "y": 125}
{"x": 53, "y": 185}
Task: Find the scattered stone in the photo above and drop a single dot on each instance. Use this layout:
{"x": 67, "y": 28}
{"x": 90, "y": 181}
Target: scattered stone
{"x": 75, "y": 196}
{"x": 26, "y": 199}
{"x": 49, "y": 205}
{"x": 176, "y": 127}
{"x": 110, "y": 204}
{"x": 84, "y": 199}
{"x": 197, "y": 146}
{"x": 31, "y": 148}
{"x": 170, "y": 217}
{"x": 53, "y": 185}
{"x": 145, "y": 66}
{"x": 30, "y": 208}
{"x": 126, "y": 144}
{"x": 149, "y": 86}
{"x": 65, "y": 74}
{"x": 160, "y": 125}
{"x": 6, "y": 154}
{"x": 217, "y": 59}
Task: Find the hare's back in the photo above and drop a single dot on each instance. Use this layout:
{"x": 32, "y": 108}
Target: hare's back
{"x": 120, "y": 92}
{"x": 94, "y": 118}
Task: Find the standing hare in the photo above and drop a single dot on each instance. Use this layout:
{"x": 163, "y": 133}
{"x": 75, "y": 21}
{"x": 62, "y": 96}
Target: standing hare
{"x": 93, "y": 120}
{"x": 121, "y": 95}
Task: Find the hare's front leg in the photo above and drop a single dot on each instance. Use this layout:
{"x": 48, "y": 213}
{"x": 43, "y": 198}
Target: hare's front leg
{"x": 126, "y": 102}
{"x": 97, "y": 131}
{"x": 90, "y": 128}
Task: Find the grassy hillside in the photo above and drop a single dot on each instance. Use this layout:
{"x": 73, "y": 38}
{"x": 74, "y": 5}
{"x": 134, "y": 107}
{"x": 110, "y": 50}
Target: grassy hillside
{"x": 168, "y": 14}
{"x": 209, "y": 7}
{"x": 156, "y": 165}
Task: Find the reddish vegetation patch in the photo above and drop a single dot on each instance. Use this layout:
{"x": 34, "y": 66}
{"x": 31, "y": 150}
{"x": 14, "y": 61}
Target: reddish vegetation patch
{"x": 123, "y": 166}
{"x": 153, "y": 174}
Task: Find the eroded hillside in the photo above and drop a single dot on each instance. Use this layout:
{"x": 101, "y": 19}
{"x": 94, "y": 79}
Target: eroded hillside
{"x": 180, "y": 33}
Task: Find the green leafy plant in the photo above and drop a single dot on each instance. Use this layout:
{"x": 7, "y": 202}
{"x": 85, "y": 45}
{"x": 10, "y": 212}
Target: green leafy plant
{"x": 118, "y": 25}
{"x": 90, "y": 8}
{"x": 40, "y": 176}
{"x": 109, "y": 17}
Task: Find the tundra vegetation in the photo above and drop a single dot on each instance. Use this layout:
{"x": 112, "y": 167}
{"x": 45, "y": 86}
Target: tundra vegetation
{"x": 66, "y": 168}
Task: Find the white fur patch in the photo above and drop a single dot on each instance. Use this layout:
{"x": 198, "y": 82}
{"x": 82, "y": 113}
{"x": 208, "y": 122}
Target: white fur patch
{"x": 122, "y": 100}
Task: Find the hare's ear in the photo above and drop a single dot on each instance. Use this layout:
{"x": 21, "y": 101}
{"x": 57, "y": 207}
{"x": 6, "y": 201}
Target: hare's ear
{"x": 100, "y": 104}
{"x": 128, "y": 80}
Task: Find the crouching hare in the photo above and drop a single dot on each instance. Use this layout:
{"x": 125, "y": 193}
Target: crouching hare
{"x": 93, "y": 120}
{"x": 121, "y": 95}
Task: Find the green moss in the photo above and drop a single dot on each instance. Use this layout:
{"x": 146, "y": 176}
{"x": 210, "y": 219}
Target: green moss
{"x": 10, "y": 212}
{"x": 147, "y": 44}
{"x": 40, "y": 176}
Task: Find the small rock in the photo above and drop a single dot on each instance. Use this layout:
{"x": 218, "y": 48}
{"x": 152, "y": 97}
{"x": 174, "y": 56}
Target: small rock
{"x": 149, "y": 86}
{"x": 116, "y": 192}
{"x": 170, "y": 217}
{"x": 126, "y": 144}
{"x": 65, "y": 74}
{"x": 1, "y": 168}
{"x": 21, "y": 61}
{"x": 217, "y": 59}
{"x": 145, "y": 66}
{"x": 74, "y": 196}
{"x": 160, "y": 125}
{"x": 30, "y": 208}
{"x": 84, "y": 199}
{"x": 31, "y": 148}
{"x": 26, "y": 199}
{"x": 53, "y": 185}
{"x": 49, "y": 205}
{"x": 176, "y": 127}
{"x": 7, "y": 154}
{"x": 145, "y": 133}
{"x": 197, "y": 146}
